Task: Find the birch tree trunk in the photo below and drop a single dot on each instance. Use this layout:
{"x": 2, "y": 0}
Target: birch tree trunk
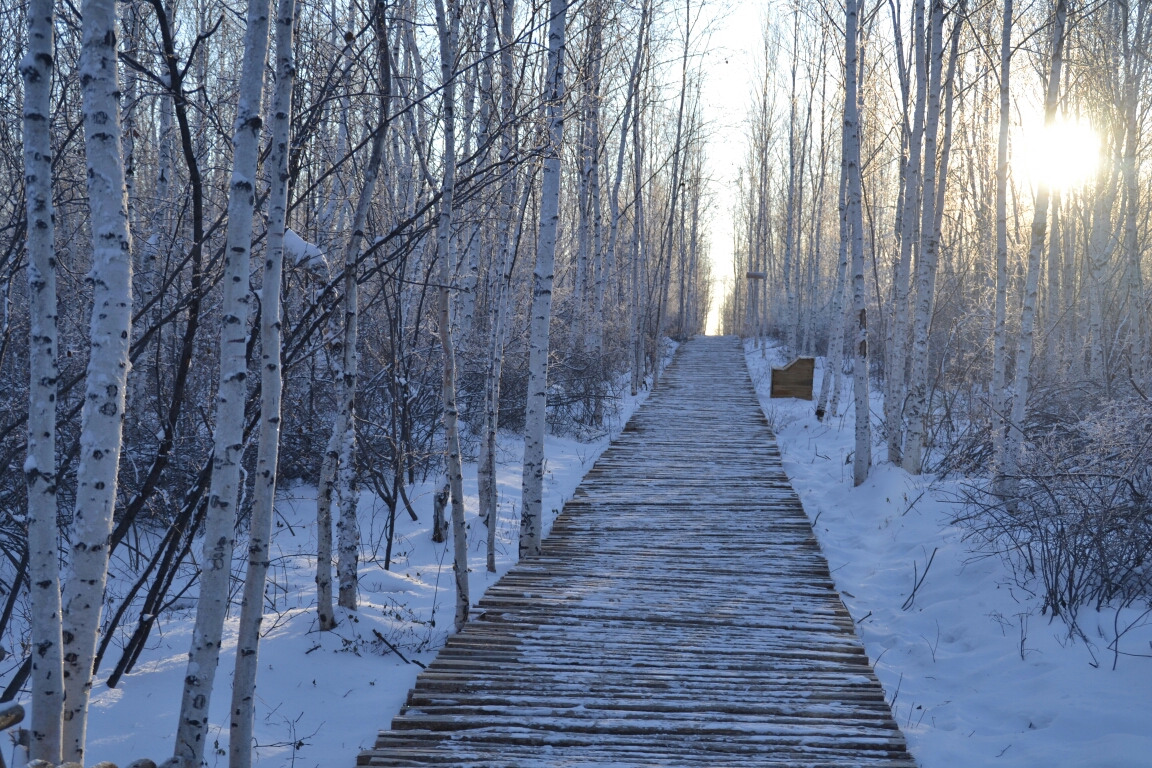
{"x": 926, "y": 266}
{"x": 533, "y": 492}
{"x": 500, "y": 339}
{"x": 47, "y": 677}
{"x": 348, "y": 526}
{"x": 1134, "y": 68}
{"x": 639, "y": 266}
{"x": 102, "y": 416}
{"x": 625, "y": 124}
{"x": 1099, "y": 255}
{"x": 677, "y": 170}
{"x": 894, "y": 395}
{"x": 325, "y": 489}
{"x": 999, "y": 404}
{"x": 271, "y": 384}
{"x": 219, "y": 525}
{"x": 1052, "y": 292}
{"x": 1068, "y": 293}
{"x": 635, "y": 327}
{"x": 1014, "y": 439}
{"x": 482, "y": 137}
{"x": 790, "y": 209}
{"x": 583, "y": 214}
{"x": 691, "y": 303}
{"x": 448, "y": 27}
{"x": 501, "y": 293}
{"x": 862, "y": 461}
{"x": 834, "y": 361}
{"x": 594, "y": 331}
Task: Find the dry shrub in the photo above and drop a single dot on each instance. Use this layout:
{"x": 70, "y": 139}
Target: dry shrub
{"x": 1077, "y": 519}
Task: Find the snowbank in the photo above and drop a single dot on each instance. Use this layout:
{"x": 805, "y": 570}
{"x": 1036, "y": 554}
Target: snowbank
{"x": 976, "y": 676}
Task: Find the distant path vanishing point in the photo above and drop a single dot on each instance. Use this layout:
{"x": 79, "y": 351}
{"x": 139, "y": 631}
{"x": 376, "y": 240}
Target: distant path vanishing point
{"x": 681, "y": 614}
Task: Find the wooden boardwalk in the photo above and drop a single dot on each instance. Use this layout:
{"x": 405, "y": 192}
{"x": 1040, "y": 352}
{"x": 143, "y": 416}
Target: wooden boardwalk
{"x": 681, "y": 614}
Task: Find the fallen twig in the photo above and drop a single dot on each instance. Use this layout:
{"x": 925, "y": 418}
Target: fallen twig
{"x": 396, "y": 650}
{"x": 916, "y": 583}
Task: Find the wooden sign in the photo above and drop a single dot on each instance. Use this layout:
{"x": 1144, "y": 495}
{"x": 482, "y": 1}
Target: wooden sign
{"x": 757, "y": 275}
{"x": 794, "y": 379}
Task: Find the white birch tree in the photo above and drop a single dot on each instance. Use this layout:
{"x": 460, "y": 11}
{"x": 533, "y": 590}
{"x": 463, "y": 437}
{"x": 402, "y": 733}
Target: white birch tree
{"x": 271, "y": 386}
{"x": 862, "y": 457}
{"x": 102, "y": 416}
{"x": 829, "y": 400}
{"x": 228, "y": 451}
{"x": 499, "y": 290}
{"x": 1014, "y": 438}
{"x": 448, "y": 29}
{"x": 926, "y": 264}
{"x": 1000, "y": 334}
{"x": 47, "y": 676}
{"x": 894, "y": 395}
{"x": 533, "y": 490}
{"x": 345, "y": 429}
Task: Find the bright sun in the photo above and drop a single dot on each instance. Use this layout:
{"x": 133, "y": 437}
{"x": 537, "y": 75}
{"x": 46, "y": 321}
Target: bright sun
{"x": 1063, "y": 156}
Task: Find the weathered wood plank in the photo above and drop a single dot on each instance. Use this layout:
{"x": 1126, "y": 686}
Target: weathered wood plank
{"x": 680, "y": 614}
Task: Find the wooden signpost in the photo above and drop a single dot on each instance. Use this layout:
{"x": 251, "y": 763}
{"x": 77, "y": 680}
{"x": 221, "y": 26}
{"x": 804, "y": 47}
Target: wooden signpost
{"x": 794, "y": 379}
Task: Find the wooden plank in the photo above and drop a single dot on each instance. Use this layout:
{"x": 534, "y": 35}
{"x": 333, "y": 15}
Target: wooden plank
{"x": 680, "y": 614}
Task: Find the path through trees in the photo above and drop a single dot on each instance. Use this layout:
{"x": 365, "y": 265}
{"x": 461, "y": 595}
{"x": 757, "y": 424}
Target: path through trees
{"x": 680, "y": 613}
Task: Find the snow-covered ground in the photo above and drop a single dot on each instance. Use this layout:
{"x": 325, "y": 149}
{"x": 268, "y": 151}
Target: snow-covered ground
{"x": 976, "y": 676}
{"x": 322, "y": 696}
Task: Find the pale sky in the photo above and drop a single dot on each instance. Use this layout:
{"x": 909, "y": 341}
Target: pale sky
{"x": 730, "y": 71}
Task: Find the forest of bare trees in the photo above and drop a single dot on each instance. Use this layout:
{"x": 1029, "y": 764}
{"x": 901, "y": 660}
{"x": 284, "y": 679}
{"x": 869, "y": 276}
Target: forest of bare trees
{"x": 948, "y": 201}
{"x": 337, "y": 243}
{"x": 350, "y": 246}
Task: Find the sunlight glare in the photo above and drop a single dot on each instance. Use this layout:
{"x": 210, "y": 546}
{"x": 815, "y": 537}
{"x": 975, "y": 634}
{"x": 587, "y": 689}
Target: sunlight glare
{"x": 1063, "y": 156}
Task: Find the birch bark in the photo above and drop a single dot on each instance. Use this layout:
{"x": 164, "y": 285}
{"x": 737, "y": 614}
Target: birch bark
{"x": 926, "y": 266}
{"x": 1098, "y": 256}
{"x": 1134, "y": 68}
{"x": 271, "y": 384}
{"x": 999, "y": 404}
{"x": 448, "y": 27}
{"x": 1052, "y": 292}
{"x": 325, "y": 490}
{"x": 501, "y": 293}
{"x": 1014, "y": 439}
{"x": 102, "y": 416}
{"x": 595, "y": 330}
{"x": 677, "y": 166}
{"x": 533, "y": 489}
{"x": 483, "y": 135}
{"x": 1068, "y": 293}
{"x": 834, "y": 361}
{"x": 347, "y": 526}
{"x": 47, "y": 676}
{"x": 635, "y": 329}
{"x": 630, "y": 104}
{"x": 894, "y": 396}
{"x": 219, "y": 525}
{"x": 790, "y": 210}
{"x": 862, "y": 457}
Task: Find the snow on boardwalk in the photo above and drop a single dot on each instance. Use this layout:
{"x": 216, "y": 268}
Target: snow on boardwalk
{"x": 680, "y": 614}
